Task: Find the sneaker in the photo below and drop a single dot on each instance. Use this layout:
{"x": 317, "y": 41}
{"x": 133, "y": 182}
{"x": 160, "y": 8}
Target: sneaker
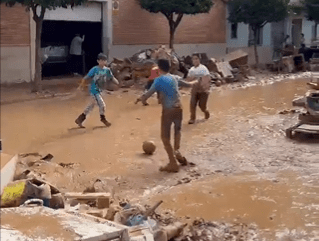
{"x": 104, "y": 121}
{"x": 80, "y": 119}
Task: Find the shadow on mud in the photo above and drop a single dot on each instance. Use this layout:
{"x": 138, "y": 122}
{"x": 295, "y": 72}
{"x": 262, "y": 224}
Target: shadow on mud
{"x": 306, "y": 138}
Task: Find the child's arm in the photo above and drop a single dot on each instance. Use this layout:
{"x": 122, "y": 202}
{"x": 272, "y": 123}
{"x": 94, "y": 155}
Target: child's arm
{"x": 147, "y": 95}
{"x": 182, "y": 83}
{"x": 115, "y": 81}
{"x": 111, "y": 76}
{"x": 89, "y": 76}
{"x": 83, "y": 82}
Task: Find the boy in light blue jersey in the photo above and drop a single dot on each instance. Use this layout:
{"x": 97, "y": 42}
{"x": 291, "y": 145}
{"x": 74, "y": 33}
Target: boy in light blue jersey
{"x": 99, "y": 76}
{"x": 167, "y": 85}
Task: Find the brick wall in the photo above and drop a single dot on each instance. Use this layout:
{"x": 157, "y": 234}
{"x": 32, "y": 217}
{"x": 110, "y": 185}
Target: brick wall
{"x": 133, "y": 25}
{"x": 14, "y": 26}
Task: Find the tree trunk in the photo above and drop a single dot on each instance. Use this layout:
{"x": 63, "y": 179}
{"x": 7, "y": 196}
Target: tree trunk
{"x": 255, "y": 46}
{"x": 171, "y": 36}
{"x": 173, "y": 24}
{"x": 37, "y": 84}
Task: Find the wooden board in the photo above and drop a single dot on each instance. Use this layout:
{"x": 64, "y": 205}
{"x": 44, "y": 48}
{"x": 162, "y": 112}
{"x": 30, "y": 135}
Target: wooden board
{"x": 308, "y": 128}
{"x": 80, "y": 195}
{"x": 8, "y": 170}
{"x": 224, "y": 68}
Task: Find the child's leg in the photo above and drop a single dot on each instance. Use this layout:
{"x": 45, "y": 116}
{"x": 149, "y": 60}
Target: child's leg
{"x": 90, "y": 106}
{"x": 178, "y": 118}
{"x": 81, "y": 118}
{"x": 193, "y": 105}
{"x": 203, "y": 98}
{"x": 166, "y": 123}
{"x": 101, "y": 104}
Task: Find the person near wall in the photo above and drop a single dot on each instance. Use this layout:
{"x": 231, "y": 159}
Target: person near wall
{"x": 302, "y": 39}
{"x": 77, "y": 54}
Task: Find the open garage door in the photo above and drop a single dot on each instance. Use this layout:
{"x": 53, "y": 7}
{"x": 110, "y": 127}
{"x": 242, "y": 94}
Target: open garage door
{"x": 59, "y": 28}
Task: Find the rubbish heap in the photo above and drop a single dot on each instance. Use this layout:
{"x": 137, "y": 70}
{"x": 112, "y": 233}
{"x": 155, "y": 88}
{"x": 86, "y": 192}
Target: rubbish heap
{"x": 87, "y": 215}
{"x": 232, "y": 67}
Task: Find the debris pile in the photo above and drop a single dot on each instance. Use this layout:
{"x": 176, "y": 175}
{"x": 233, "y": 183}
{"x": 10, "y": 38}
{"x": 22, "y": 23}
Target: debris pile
{"x": 201, "y": 230}
{"x": 27, "y": 193}
{"x": 232, "y": 67}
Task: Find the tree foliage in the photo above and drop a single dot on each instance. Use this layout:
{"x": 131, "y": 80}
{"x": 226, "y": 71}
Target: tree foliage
{"x": 257, "y": 13}
{"x": 174, "y": 10}
{"x": 312, "y": 10}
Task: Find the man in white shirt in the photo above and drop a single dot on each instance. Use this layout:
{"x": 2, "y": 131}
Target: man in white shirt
{"x": 76, "y": 53}
{"x": 200, "y": 91}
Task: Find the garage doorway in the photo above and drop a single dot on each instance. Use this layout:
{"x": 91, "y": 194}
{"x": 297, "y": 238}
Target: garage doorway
{"x": 59, "y": 34}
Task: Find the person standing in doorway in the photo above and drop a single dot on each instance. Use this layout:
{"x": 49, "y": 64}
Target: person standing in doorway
{"x": 76, "y": 54}
{"x": 302, "y": 39}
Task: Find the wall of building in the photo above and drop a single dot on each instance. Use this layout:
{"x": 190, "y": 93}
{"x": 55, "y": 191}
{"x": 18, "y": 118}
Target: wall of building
{"x": 307, "y": 30}
{"x": 15, "y": 44}
{"x": 241, "y": 42}
{"x": 135, "y": 26}
{"x": 212, "y": 50}
{"x": 91, "y": 11}
{"x": 15, "y": 64}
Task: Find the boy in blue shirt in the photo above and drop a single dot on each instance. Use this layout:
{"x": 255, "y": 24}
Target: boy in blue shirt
{"x": 98, "y": 75}
{"x": 172, "y": 112}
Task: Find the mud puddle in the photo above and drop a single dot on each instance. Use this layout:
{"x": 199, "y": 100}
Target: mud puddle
{"x": 45, "y": 226}
{"x": 274, "y": 206}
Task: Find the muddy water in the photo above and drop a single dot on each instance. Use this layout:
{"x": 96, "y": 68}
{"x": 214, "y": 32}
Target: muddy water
{"x": 48, "y": 126}
{"x": 245, "y": 199}
{"x": 45, "y": 226}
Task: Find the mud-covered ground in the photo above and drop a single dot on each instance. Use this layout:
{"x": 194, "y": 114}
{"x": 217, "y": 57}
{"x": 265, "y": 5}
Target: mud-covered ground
{"x": 246, "y": 171}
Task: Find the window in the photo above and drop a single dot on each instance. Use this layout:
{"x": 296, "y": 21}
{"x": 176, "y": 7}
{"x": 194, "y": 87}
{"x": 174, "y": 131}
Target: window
{"x": 259, "y": 37}
{"x": 234, "y": 28}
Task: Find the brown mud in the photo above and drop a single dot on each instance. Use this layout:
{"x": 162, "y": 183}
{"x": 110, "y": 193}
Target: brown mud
{"x": 246, "y": 169}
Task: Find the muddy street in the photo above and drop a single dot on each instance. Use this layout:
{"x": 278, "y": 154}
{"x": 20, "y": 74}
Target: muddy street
{"x": 245, "y": 170}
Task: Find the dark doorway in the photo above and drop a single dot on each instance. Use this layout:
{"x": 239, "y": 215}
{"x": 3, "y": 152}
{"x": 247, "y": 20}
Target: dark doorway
{"x": 61, "y": 33}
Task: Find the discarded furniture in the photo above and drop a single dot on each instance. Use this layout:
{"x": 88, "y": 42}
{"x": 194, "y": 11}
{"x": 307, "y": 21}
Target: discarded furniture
{"x": 309, "y": 121}
{"x": 314, "y": 84}
{"x": 236, "y": 58}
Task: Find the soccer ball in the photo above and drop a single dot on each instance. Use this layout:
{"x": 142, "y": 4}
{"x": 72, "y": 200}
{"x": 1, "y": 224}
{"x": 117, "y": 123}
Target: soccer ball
{"x": 149, "y": 147}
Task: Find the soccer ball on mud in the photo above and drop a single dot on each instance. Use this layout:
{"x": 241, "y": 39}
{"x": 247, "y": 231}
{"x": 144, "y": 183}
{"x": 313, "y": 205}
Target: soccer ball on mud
{"x": 149, "y": 147}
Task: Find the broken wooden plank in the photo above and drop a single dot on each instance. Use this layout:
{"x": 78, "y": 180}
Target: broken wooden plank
{"x": 8, "y": 170}
{"x": 87, "y": 196}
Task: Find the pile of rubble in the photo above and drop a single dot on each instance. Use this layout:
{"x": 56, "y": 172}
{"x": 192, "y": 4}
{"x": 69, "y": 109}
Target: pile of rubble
{"x": 25, "y": 192}
{"x": 232, "y": 67}
{"x": 29, "y": 202}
